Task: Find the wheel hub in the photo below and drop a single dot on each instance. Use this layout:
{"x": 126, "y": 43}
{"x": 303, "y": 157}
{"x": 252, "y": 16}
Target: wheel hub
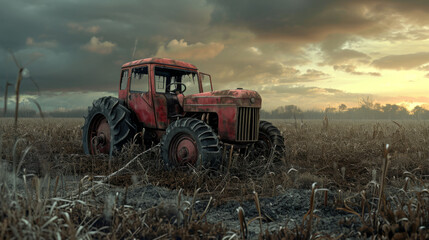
{"x": 100, "y": 136}
{"x": 101, "y": 139}
{"x": 183, "y": 153}
{"x": 184, "y": 150}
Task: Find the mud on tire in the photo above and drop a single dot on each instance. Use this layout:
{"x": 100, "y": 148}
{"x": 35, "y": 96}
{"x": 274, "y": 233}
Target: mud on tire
{"x": 190, "y": 141}
{"x": 270, "y": 143}
{"x": 121, "y": 126}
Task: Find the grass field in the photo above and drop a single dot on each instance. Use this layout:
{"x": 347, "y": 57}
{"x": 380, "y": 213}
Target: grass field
{"x": 55, "y": 189}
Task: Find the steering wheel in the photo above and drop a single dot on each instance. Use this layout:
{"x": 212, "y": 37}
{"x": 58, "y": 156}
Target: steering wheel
{"x": 177, "y": 85}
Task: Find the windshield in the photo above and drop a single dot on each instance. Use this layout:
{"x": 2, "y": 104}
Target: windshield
{"x": 169, "y": 80}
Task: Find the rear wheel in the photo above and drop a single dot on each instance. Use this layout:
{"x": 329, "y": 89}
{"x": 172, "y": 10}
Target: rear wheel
{"x": 190, "y": 141}
{"x": 270, "y": 142}
{"x": 108, "y": 126}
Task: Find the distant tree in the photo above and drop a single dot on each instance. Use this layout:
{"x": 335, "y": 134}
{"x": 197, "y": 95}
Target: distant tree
{"x": 342, "y": 108}
{"x": 292, "y": 109}
{"x": 287, "y": 111}
{"x": 395, "y": 111}
{"x": 378, "y": 107}
{"x": 420, "y": 112}
{"x": 366, "y": 102}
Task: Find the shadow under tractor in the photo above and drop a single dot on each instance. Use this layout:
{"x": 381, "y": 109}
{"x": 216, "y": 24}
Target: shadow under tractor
{"x": 170, "y": 102}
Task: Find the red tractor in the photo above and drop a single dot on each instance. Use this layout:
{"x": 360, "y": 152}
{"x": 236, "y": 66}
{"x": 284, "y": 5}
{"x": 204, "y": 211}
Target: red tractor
{"x": 171, "y": 102}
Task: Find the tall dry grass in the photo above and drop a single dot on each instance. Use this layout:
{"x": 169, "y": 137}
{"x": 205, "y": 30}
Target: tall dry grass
{"x": 36, "y": 208}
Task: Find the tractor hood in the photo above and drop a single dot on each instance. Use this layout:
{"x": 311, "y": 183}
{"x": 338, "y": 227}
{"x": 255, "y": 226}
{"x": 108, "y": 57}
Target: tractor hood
{"x": 236, "y": 111}
{"x": 237, "y": 97}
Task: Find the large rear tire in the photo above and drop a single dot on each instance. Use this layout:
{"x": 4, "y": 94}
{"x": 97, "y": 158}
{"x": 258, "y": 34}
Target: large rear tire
{"x": 190, "y": 141}
{"x": 108, "y": 126}
{"x": 271, "y": 143}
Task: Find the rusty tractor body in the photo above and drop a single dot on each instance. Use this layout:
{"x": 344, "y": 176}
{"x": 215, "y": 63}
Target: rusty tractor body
{"x": 171, "y": 102}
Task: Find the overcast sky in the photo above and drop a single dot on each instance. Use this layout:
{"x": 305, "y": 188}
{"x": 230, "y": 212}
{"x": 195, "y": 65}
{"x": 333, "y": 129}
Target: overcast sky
{"x": 310, "y": 53}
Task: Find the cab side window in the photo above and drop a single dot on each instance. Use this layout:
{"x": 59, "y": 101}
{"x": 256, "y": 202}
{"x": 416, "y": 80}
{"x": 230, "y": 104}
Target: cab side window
{"x": 160, "y": 83}
{"x": 207, "y": 82}
{"x": 124, "y": 79}
{"x": 139, "y": 79}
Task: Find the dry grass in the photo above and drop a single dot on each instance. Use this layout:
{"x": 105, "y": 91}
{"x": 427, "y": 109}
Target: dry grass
{"x": 338, "y": 155}
{"x": 347, "y": 153}
{"x": 38, "y": 210}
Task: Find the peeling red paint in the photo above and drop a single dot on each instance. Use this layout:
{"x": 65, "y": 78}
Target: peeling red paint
{"x": 141, "y": 103}
{"x": 162, "y": 61}
{"x": 161, "y": 111}
{"x": 239, "y": 96}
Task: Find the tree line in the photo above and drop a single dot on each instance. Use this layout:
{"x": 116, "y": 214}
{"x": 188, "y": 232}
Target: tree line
{"x": 366, "y": 110}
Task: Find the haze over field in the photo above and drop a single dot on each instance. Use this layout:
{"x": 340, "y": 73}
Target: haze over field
{"x": 310, "y": 53}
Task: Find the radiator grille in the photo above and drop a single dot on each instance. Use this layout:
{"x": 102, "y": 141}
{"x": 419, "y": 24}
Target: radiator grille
{"x": 247, "y": 124}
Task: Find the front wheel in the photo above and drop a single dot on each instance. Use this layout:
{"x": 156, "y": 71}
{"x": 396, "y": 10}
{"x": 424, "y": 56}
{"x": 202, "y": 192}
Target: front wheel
{"x": 270, "y": 142}
{"x": 190, "y": 141}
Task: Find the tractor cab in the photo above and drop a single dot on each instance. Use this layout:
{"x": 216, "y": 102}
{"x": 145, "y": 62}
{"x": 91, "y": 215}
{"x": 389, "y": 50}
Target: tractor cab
{"x": 155, "y": 89}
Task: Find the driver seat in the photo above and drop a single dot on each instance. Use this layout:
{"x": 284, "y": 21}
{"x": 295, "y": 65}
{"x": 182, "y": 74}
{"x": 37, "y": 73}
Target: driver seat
{"x": 174, "y": 110}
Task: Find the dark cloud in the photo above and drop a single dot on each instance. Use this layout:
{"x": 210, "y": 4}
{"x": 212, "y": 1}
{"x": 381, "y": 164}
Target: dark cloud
{"x": 295, "y": 20}
{"x": 414, "y": 10}
{"x": 402, "y": 62}
{"x": 237, "y": 65}
{"x": 310, "y": 21}
{"x": 300, "y": 90}
{"x": 346, "y": 55}
{"x": 310, "y": 75}
{"x": 314, "y": 75}
{"x": 352, "y": 70}
{"x": 335, "y": 52}
{"x": 245, "y": 69}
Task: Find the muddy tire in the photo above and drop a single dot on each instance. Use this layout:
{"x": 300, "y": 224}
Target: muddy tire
{"x": 108, "y": 126}
{"x": 271, "y": 143}
{"x": 190, "y": 141}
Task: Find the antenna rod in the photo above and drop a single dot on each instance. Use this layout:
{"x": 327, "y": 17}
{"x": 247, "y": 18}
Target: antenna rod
{"x": 135, "y": 48}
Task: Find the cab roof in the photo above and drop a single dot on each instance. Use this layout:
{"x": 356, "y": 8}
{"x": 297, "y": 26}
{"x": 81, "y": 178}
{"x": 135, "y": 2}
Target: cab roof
{"x": 163, "y": 61}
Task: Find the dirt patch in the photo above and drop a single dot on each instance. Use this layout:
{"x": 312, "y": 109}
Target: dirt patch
{"x": 286, "y": 209}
